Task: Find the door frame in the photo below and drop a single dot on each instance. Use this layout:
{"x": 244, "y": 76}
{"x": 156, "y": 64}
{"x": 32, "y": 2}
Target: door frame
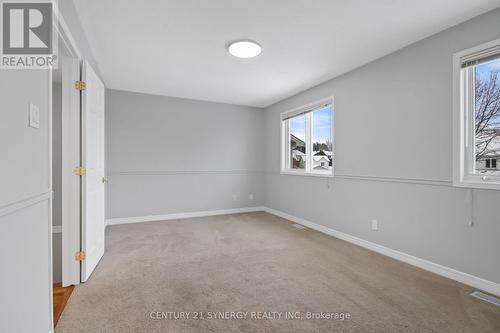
{"x": 71, "y": 152}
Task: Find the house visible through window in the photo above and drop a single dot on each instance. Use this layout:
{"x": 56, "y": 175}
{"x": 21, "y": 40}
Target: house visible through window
{"x": 307, "y": 145}
{"x": 480, "y": 115}
{"x": 297, "y": 142}
{"x": 490, "y": 163}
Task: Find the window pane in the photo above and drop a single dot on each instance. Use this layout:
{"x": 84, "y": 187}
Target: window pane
{"x": 298, "y": 142}
{"x": 487, "y": 116}
{"x": 322, "y": 159}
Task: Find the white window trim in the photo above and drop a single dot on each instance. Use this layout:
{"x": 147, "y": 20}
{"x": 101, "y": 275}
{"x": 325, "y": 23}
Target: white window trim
{"x": 463, "y": 132}
{"x": 284, "y": 146}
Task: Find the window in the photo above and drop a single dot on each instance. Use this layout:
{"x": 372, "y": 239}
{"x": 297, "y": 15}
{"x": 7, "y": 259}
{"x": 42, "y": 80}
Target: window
{"x": 298, "y": 154}
{"x": 307, "y": 140}
{"x": 489, "y": 163}
{"x": 477, "y": 117}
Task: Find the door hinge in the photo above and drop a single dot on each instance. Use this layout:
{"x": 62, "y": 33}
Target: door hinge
{"x": 80, "y": 171}
{"x": 80, "y": 256}
{"x": 80, "y": 85}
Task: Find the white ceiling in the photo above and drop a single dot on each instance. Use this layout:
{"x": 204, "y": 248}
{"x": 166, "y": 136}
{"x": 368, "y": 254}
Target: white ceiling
{"x": 177, "y": 48}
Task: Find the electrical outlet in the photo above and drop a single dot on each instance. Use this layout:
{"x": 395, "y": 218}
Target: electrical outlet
{"x": 235, "y": 197}
{"x": 250, "y": 197}
{"x": 374, "y": 225}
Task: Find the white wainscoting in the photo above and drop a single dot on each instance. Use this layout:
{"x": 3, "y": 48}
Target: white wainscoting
{"x": 25, "y": 202}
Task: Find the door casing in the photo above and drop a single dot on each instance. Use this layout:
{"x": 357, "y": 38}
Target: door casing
{"x": 71, "y": 154}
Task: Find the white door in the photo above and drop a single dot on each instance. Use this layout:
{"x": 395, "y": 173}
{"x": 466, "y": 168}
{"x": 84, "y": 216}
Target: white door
{"x": 93, "y": 161}
{"x": 71, "y": 157}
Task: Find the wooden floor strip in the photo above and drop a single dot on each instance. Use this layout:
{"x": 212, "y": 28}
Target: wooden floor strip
{"x": 61, "y": 296}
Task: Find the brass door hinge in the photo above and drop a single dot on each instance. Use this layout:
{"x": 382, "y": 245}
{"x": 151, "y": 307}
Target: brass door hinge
{"x": 80, "y": 85}
{"x": 80, "y": 256}
{"x": 80, "y": 171}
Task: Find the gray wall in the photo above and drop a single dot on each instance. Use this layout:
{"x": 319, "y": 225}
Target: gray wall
{"x": 56, "y": 180}
{"x": 25, "y": 238}
{"x": 169, "y": 155}
{"x": 393, "y": 120}
{"x": 68, "y": 10}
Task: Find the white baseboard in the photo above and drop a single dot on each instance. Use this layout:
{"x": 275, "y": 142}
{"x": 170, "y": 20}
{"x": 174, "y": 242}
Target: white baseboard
{"x": 465, "y": 278}
{"x": 175, "y": 216}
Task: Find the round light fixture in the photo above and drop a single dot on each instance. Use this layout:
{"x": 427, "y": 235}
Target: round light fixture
{"x": 244, "y": 48}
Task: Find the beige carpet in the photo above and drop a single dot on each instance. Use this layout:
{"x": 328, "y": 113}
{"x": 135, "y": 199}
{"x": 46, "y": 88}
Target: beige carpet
{"x": 252, "y": 263}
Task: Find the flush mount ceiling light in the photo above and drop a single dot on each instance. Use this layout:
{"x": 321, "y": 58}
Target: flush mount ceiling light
{"x": 244, "y": 48}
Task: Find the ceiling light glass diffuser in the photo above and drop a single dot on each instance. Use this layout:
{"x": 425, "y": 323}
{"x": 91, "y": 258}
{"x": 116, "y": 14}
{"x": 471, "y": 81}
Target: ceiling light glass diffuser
{"x": 244, "y": 49}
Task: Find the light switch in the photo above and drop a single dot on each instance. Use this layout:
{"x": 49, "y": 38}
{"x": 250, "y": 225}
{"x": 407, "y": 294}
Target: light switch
{"x": 34, "y": 116}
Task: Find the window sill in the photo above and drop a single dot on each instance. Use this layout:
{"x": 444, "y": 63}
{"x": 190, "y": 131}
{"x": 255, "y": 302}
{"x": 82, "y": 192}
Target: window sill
{"x": 306, "y": 174}
{"x": 478, "y": 183}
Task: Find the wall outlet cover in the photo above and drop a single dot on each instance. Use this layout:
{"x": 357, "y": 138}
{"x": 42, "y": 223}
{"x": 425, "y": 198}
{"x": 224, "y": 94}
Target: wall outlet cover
{"x": 374, "y": 225}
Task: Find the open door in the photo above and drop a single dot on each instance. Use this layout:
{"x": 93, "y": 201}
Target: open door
{"x": 71, "y": 157}
{"x": 92, "y": 231}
